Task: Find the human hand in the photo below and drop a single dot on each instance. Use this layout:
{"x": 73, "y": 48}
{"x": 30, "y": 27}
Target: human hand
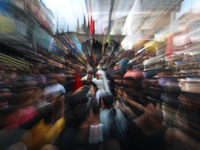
{"x": 92, "y": 90}
{"x": 155, "y": 114}
{"x": 78, "y": 91}
{"x": 117, "y": 104}
{"x": 125, "y": 96}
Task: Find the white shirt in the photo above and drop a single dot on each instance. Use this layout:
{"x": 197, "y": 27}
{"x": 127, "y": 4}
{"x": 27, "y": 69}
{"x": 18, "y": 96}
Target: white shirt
{"x": 99, "y": 94}
{"x": 96, "y": 133}
{"x": 99, "y": 84}
{"x": 85, "y": 78}
{"x": 55, "y": 88}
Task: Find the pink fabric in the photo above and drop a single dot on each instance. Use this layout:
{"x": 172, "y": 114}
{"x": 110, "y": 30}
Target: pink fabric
{"x": 19, "y": 117}
{"x": 136, "y": 74}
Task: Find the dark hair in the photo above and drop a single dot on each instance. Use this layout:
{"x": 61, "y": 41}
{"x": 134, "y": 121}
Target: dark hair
{"x": 95, "y": 107}
{"x": 129, "y": 66}
{"x": 137, "y": 82}
{"x": 80, "y": 113}
{"x": 93, "y": 84}
{"x": 118, "y": 72}
{"x": 129, "y": 78}
{"x": 90, "y": 72}
{"x": 147, "y": 83}
{"x": 74, "y": 100}
{"x": 107, "y": 100}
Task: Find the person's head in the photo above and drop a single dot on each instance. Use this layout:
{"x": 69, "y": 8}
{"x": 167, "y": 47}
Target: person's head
{"x": 17, "y": 146}
{"x": 89, "y": 76}
{"x": 132, "y": 83}
{"x": 52, "y": 79}
{"x": 118, "y": 75}
{"x": 62, "y": 78}
{"x": 129, "y": 67}
{"x": 95, "y": 108}
{"x": 129, "y": 82}
{"x": 146, "y": 84}
{"x": 106, "y": 101}
{"x": 97, "y": 76}
{"x": 190, "y": 99}
{"x": 164, "y": 77}
{"x": 13, "y": 77}
{"x": 94, "y": 86}
{"x": 106, "y": 70}
{"x": 90, "y": 71}
{"x": 101, "y": 64}
{"x": 82, "y": 115}
{"x": 35, "y": 69}
{"x": 25, "y": 92}
{"x": 45, "y": 70}
{"x": 80, "y": 97}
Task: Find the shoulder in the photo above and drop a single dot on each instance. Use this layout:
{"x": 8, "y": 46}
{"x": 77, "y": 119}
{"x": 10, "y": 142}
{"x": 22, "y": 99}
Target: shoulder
{"x": 99, "y": 92}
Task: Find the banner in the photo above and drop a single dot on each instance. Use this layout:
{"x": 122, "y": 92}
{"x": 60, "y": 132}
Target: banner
{"x": 6, "y": 8}
{"x": 7, "y": 25}
{"x": 44, "y": 40}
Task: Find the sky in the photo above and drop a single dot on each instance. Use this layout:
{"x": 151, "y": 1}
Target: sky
{"x": 67, "y": 12}
{"x": 186, "y": 6}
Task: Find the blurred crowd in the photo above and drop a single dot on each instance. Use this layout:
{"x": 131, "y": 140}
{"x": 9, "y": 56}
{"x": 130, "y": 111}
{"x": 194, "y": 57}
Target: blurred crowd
{"x": 54, "y": 96}
{"x": 115, "y": 105}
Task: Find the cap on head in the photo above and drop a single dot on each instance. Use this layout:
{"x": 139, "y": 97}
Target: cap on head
{"x": 97, "y": 74}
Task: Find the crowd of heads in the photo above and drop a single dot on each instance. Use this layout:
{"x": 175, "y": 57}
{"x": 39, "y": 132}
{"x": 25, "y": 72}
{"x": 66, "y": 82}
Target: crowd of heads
{"x": 77, "y": 110}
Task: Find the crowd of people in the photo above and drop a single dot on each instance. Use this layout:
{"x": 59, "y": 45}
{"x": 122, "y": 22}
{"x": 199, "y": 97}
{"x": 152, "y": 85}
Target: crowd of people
{"x": 110, "y": 107}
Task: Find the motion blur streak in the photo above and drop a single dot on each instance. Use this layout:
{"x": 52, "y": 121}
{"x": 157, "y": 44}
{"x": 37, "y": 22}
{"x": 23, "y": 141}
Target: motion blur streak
{"x": 99, "y": 74}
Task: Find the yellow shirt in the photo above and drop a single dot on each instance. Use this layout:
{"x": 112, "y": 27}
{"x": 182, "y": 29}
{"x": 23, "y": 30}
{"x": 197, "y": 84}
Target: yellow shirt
{"x": 44, "y": 133}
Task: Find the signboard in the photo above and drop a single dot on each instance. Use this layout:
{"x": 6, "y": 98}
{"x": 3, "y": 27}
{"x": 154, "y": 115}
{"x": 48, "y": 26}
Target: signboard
{"x": 21, "y": 28}
{"x": 43, "y": 39}
{"x": 7, "y": 25}
{"x": 6, "y": 8}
